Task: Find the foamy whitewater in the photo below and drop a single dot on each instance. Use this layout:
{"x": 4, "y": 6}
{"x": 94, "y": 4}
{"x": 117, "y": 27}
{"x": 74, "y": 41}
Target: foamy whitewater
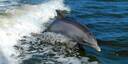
{"x": 19, "y": 21}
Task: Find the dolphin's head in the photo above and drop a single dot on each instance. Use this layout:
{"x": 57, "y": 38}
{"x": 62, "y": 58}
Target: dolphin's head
{"x": 92, "y": 42}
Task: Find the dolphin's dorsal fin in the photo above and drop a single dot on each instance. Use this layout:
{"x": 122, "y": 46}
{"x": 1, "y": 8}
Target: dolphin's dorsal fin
{"x": 60, "y": 13}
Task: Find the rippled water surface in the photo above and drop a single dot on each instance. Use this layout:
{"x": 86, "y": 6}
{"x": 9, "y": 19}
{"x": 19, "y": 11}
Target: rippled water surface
{"x": 108, "y": 20}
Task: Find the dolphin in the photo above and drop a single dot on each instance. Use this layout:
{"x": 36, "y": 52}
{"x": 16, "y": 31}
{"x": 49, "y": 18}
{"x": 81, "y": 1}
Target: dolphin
{"x": 72, "y": 29}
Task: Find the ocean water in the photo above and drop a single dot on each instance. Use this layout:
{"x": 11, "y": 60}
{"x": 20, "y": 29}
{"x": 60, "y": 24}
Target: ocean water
{"x": 108, "y": 20}
{"x": 22, "y": 21}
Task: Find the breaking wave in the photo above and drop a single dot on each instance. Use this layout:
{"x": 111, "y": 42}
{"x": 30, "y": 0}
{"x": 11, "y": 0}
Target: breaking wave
{"x": 17, "y": 45}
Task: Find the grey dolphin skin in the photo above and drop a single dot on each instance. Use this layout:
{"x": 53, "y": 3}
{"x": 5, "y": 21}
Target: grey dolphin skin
{"x": 73, "y": 30}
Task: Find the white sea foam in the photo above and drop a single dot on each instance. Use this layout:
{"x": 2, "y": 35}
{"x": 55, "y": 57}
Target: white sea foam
{"x": 22, "y": 20}
{"x": 50, "y": 48}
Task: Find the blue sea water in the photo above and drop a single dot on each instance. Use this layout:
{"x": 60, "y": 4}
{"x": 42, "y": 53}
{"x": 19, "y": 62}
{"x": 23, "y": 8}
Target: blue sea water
{"x": 108, "y": 20}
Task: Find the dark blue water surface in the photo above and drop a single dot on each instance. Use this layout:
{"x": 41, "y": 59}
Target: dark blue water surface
{"x": 108, "y": 20}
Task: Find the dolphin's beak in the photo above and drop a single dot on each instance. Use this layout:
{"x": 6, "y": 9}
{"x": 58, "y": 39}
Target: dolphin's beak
{"x": 93, "y": 43}
{"x": 96, "y": 47}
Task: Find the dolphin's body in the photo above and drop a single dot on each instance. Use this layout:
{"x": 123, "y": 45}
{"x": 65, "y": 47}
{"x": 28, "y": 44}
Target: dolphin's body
{"x": 73, "y": 30}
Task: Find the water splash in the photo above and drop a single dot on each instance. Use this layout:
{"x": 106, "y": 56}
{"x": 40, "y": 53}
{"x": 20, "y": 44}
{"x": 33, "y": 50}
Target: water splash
{"x": 49, "y": 48}
{"x": 22, "y": 20}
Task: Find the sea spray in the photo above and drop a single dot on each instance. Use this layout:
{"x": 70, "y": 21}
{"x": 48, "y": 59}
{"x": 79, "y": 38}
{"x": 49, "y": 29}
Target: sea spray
{"x": 49, "y": 48}
{"x": 23, "y": 20}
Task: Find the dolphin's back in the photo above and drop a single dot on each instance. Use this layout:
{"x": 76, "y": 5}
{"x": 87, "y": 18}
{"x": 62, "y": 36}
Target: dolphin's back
{"x": 71, "y": 29}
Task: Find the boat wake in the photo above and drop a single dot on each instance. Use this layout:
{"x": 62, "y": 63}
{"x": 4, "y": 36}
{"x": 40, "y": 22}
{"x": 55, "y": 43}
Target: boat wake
{"x": 19, "y": 46}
